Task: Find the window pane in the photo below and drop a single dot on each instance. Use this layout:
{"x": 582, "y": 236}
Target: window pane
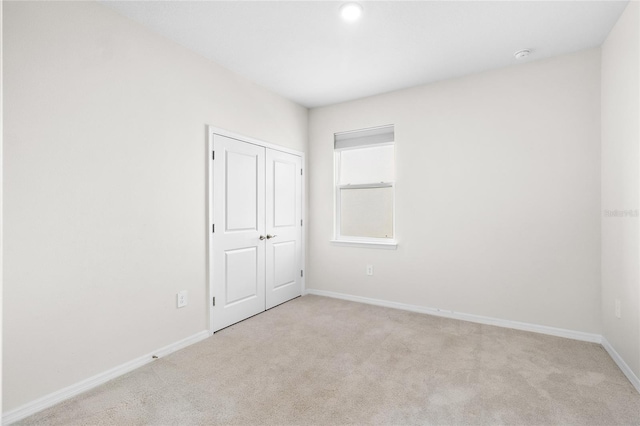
{"x": 366, "y": 212}
{"x": 366, "y": 165}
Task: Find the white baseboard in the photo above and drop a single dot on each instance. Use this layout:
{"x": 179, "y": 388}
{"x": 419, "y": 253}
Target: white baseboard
{"x": 635, "y": 381}
{"x": 543, "y": 329}
{"x": 70, "y": 391}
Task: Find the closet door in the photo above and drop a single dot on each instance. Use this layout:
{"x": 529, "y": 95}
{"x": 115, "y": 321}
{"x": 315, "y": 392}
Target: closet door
{"x": 284, "y": 227}
{"x": 238, "y": 252}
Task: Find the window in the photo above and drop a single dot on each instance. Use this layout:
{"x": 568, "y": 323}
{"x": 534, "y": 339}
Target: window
{"x": 364, "y": 186}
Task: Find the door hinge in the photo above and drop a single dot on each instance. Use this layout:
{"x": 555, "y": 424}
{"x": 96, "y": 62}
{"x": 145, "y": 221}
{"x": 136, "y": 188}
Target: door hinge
{"x": 213, "y": 228}
{"x": 213, "y": 155}
{"x": 300, "y": 222}
{"x": 301, "y": 273}
{"x": 214, "y": 301}
{"x": 300, "y": 172}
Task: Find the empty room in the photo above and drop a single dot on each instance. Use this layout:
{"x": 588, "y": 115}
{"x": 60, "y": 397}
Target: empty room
{"x": 320, "y": 213}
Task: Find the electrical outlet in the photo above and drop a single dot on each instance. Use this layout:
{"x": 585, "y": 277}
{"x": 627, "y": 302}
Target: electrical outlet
{"x": 618, "y": 308}
{"x": 182, "y": 299}
{"x": 369, "y": 269}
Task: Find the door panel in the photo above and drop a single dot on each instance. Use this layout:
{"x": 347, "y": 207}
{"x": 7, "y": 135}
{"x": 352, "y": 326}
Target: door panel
{"x": 284, "y": 197}
{"x": 238, "y": 254}
{"x": 241, "y": 191}
{"x": 241, "y": 278}
{"x": 283, "y": 218}
{"x": 284, "y": 255}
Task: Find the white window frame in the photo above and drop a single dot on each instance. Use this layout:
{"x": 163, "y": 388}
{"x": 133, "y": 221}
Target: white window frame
{"x": 346, "y": 240}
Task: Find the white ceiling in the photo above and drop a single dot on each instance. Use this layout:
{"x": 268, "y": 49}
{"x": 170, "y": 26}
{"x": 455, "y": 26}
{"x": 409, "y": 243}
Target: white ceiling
{"x": 303, "y": 51}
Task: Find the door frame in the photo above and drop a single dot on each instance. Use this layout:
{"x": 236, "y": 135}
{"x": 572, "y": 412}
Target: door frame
{"x": 212, "y": 130}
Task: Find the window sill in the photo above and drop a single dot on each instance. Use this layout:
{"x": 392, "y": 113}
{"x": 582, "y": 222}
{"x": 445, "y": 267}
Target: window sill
{"x": 390, "y": 245}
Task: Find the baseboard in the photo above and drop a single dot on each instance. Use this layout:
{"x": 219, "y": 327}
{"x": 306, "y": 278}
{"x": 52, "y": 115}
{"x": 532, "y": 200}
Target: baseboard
{"x": 70, "y": 391}
{"x": 635, "y": 381}
{"x": 552, "y": 331}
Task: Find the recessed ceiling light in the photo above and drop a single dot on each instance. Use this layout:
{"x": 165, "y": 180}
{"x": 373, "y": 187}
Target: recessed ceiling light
{"x": 521, "y": 54}
{"x": 350, "y": 11}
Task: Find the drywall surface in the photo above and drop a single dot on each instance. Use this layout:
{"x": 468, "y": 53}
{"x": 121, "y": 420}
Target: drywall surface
{"x": 497, "y": 195}
{"x": 620, "y": 186}
{"x": 104, "y": 186}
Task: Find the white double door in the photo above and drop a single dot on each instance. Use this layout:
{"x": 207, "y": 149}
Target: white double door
{"x": 256, "y": 239}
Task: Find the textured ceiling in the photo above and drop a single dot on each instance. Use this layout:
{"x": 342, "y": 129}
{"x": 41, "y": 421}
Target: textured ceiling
{"x": 305, "y": 52}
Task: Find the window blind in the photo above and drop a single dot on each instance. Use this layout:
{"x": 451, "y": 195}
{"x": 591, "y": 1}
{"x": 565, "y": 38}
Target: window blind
{"x": 364, "y": 137}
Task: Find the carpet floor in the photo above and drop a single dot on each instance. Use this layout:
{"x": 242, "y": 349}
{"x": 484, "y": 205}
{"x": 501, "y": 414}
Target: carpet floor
{"x": 321, "y": 361}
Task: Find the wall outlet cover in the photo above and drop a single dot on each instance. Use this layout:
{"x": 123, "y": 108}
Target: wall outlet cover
{"x": 182, "y": 299}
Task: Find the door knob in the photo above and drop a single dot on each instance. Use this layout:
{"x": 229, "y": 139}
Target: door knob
{"x": 269, "y": 236}
{"x": 262, "y": 237}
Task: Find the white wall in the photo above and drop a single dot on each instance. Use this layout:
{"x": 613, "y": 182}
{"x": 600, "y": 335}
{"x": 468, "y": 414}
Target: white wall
{"x": 104, "y": 185}
{"x": 620, "y": 185}
{"x": 498, "y": 201}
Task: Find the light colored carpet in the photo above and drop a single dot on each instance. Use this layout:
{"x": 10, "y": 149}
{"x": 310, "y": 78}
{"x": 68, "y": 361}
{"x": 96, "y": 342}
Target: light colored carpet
{"x": 322, "y": 361}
